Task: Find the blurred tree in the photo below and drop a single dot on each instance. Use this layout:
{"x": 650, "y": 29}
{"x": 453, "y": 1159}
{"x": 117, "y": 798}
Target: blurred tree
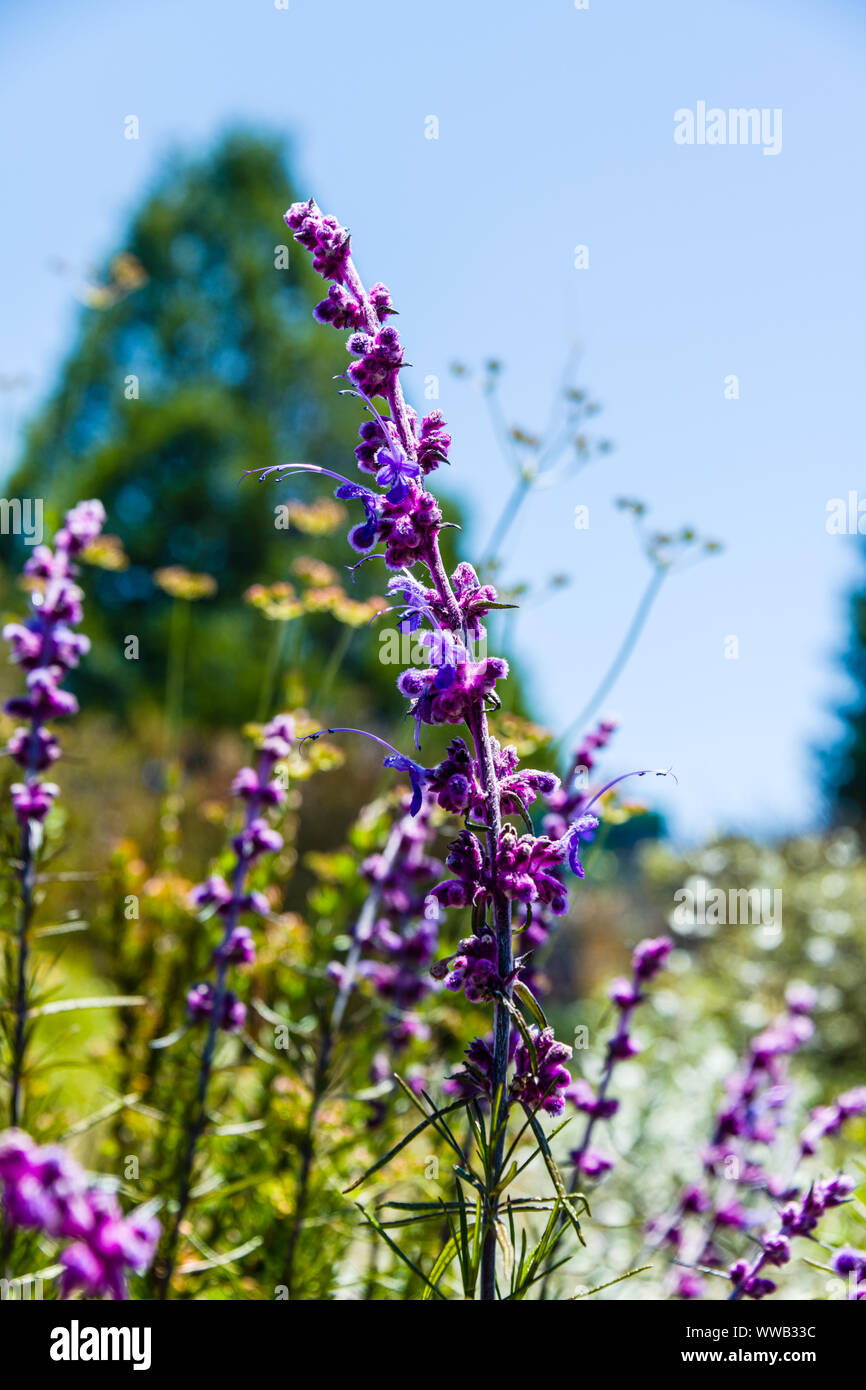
{"x": 845, "y": 778}
{"x": 196, "y": 359}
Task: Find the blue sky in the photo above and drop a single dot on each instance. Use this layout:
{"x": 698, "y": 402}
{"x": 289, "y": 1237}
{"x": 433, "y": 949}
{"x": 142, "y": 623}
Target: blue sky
{"x": 555, "y": 129}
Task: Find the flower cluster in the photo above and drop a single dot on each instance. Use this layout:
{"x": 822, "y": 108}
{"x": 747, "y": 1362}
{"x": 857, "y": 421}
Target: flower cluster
{"x": 748, "y": 1127}
{"x": 524, "y": 870}
{"x": 829, "y": 1119}
{"x": 567, "y": 819}
{"x": 473, "y": 968}
{"x": 468, "y": 602}
{"x": 456, "y": 781}
{"x": 398, "y": 451}
{"x": 229, "y": 899}
{"x": 757, "y": 1091}
{"x": 329, "y": 243}
{"x": 46, "y": 1190}
{"x": 400, "y": 943}
{"x": 648, "y": 958}
{"x": 798, "y": 1218}
{"x": 541, "y": 1079}
{"x": 475, "y": 1077}
{"x": 850, "y": 1265}
{"x": 449, "y": 692}
{"x": 46, "y": 646}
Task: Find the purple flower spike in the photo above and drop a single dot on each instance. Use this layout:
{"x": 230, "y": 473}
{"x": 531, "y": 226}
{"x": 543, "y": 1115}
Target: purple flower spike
{"x": 493, "y": 865}
{"x": 45, "y": 1190}
{"x": 46, "y": 648}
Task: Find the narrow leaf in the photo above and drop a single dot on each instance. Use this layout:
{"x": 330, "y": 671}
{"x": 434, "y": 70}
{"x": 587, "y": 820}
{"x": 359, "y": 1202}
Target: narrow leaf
{"x": 598, "y": 1288}
{"x": 66, "y": 1006}
{"x": 524, "y": 993}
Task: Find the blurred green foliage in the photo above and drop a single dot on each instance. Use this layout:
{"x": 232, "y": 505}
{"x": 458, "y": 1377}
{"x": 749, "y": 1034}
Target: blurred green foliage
{"x": 196, "y": 360}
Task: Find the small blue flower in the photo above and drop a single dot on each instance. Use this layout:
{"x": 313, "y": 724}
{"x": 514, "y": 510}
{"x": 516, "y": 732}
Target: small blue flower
{"x": 395, "y": 759}
{"x": 416, "y": 606}
{"x": 417, "y": 776}
{"x": 444, "y": 650}
{"x": 445, "y": 676}
{"x": 584, "y": 826}
{"x": 395, "y": 470}
{"x": 363, "y": 536}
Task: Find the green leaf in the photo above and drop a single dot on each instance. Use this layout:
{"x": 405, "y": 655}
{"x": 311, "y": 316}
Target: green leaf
{"x": 610, "y": 1283}
{"x": 413, "y": 1134}
{"x": 252, "y": 1046}
{"x": 112, "y": 1108}
{"x": 215, "y": 1261}
{"x": 242, "y": 1127}
{"x": 401, "y": 1255}
{"x": 446, "y": 1258}
{"x": 524, "y": 993}
{"x": 506, "y": 1179}
{"x": 62, "y": 928}
{"x": 556, "y": 1177}
{"x": 65, "y": 1006}
{"x": 169, "y": 1038}
{"x": 523, "y": 1030}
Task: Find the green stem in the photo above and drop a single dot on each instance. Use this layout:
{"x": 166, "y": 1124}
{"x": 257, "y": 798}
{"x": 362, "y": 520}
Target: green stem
{"x": 338, "y": 656}
{"x": 174, "y": 678}
{"x": 322, "y": 1073}
{"x": 506, "y": 520}
{"x": 618, "y": 664}
{"x": 501, "y": 1015}
{"x": 271, "y": 673}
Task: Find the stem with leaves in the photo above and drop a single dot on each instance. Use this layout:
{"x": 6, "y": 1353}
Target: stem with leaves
{"x": 322, "y": 1071}
{"x": 254, "y": 839}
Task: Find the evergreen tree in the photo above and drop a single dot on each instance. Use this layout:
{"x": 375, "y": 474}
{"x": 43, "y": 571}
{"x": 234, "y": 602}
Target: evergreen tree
{"x": 210, "y": 366}
{"x": 845, "y": 782}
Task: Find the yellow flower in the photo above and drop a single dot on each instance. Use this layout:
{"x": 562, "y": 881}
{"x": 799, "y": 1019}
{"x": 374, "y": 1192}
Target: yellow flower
{"x": 309, "y": 570}
{"x": 182, "y": 583}
{"x": 319, "y": 518}
{"x": 106, "y": 553}
{"x": 278, "y": 602}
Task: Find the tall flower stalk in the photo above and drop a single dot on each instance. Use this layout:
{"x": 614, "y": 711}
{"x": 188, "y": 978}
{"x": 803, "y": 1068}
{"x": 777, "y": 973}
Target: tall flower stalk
{"x": 345, "y": 975}
{"x": 46, "y": 646}
{"x": 211, "y": 1001}
{"x": 627, "y": 995}
{"x": 503, "y": 868}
